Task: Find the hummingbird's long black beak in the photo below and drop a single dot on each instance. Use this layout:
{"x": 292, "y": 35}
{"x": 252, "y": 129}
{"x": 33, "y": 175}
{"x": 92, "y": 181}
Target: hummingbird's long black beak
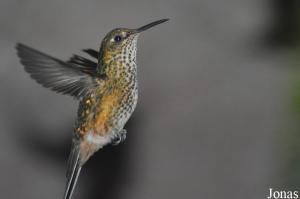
{"x": 150, "y": 25}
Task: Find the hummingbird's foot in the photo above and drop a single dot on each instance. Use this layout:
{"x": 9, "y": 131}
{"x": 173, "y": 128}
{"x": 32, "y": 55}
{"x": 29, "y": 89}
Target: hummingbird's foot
{"x": 120, "y": 137}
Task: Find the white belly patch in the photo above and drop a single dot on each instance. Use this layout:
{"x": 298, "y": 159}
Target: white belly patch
{"x": 97, "y": 139}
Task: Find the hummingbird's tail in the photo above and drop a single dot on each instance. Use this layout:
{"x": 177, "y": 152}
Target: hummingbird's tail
{"x": 74, "y": 167}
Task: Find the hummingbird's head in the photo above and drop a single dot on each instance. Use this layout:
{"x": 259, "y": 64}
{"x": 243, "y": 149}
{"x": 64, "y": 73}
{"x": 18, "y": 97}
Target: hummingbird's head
{"x": 118, "y": 42}
{"x": 121, "y": 43}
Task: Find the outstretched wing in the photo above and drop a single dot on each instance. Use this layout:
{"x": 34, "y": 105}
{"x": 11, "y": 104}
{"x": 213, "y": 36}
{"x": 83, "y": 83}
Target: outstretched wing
{"x": 75, "y": 77}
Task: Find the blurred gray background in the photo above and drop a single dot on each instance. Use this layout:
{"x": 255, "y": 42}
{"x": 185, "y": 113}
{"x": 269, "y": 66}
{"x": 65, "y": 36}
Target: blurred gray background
{"x": 218, "y": 108}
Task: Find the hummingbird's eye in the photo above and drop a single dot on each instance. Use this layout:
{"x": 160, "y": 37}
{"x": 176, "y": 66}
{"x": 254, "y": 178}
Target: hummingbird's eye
{"x": 118, "y": 38}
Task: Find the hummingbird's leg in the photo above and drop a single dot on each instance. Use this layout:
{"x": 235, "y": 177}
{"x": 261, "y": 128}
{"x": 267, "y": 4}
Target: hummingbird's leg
{"x": 120, "y": 137}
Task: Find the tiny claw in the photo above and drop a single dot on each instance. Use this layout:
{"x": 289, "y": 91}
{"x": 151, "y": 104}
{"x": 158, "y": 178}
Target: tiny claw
{"x": 120, "y": 137}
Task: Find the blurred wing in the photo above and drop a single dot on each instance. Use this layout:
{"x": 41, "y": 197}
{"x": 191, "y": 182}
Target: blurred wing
{"x": 75, "y": 77}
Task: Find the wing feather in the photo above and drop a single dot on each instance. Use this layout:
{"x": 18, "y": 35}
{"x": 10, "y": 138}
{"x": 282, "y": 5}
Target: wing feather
{"x": 92, "y": 53}
{"x": 75, "y": 77}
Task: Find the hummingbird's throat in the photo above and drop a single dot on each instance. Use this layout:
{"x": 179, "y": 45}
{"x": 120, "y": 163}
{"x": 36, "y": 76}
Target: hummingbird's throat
{"x": 129, "y": 50}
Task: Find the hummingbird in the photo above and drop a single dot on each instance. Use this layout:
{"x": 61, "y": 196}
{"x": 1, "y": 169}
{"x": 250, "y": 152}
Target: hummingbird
{"x": 106, "y": 88}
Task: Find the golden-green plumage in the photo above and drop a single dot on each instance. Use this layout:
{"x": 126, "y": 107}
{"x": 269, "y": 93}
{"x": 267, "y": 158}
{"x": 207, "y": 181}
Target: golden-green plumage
{"x": 105, "y": 111}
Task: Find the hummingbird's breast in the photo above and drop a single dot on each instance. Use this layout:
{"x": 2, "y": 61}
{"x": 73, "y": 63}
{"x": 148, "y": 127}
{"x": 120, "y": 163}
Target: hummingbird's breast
{"x": 105, "y": 111}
